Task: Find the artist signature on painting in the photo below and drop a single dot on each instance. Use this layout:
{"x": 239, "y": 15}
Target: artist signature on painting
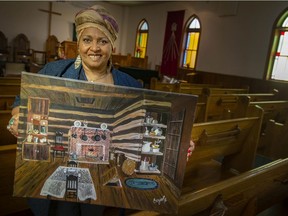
{"x": 160, "y": 200}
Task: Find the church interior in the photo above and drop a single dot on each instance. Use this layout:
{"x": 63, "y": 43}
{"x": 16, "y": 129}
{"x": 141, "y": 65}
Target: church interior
{"x": 240, "y": 162}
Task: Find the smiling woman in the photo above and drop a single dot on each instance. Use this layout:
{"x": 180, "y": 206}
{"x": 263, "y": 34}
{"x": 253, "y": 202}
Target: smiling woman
{"x": 95, "y": 51}
{"x": 96, "y": 31}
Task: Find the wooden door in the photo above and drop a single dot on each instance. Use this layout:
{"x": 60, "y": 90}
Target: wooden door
{"x": 173, "y": 142}
{"x": 178, "y": 136}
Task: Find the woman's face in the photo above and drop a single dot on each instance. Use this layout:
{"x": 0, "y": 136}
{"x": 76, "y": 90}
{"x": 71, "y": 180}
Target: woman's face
{"x": 95, "y": 49}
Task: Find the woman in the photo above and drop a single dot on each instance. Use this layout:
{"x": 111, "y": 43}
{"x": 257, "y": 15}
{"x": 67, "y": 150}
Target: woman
{"x": 96, "y": 32}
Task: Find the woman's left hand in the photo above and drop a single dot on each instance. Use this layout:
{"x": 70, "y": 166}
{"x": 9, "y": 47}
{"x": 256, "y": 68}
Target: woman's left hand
{"x": 190, "y": 149}
{"x": 13, "y": 122}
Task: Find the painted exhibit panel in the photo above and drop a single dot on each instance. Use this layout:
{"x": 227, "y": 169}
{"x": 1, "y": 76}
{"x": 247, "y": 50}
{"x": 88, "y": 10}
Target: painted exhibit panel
{"x": 102, "y": 144}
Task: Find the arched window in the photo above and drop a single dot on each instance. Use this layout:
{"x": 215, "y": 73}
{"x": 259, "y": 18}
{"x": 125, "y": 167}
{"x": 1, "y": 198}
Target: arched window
{"x": 278, "y": 61}
{"x": 192, "y": 36}
{"x": 141, "y": 39}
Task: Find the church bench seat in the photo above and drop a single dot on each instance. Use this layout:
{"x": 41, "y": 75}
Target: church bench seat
{"x": 222, "y": 106}
{"x": 141, "y": 73}
{"x": 11, "y": 79}
{"x": 182, "y": 87}
{"x": 7, "y": 88}
{"x": 234, "y": 141}
{"x": 225, "y": 106}
{"x": 155, "y": 84}
{"x": 248, "y": 193}
{"x": 9, "y": 205}
{"x": 195, "y": 89}
{"x": 129, "y": 61}
{"x": 6, "y": 101}
{"x": 275, "y": 110}
{"x": 210, "y": 91}
{"x": 273, "y": 143}
{"x": 6, "y": 137}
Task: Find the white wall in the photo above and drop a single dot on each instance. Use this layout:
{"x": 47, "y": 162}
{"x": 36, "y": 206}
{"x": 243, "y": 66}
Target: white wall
{"x": 237, "y": 44}
{"x": 25, "y": 17}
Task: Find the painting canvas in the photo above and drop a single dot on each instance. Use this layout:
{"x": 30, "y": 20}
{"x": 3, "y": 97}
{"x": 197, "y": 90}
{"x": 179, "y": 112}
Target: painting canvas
{"x": 102, "y": 144}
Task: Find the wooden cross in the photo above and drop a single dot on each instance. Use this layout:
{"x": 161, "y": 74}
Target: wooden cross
{"x": 50, "y": 12}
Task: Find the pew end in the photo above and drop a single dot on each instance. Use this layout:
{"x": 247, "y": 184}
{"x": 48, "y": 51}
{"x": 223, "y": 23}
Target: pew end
{"x": 223, "y": 149}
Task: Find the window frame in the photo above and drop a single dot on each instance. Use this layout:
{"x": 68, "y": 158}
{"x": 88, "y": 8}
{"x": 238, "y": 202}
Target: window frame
{"x": 274, "y": 45}
{"x": 185, "y": 40}
{"x": 138, "y": 46}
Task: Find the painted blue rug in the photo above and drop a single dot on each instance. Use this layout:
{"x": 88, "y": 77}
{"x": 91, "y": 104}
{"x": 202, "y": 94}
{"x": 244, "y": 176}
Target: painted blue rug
{"x": 141, "y": 183}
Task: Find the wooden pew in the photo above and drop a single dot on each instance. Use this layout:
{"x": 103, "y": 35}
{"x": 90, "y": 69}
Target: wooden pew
{"x": 140, "y": 73}
{"x": 129, "y": 61}
{"x": 273, "y": 137}
{"x": 6, "y": 102}
{"x": 223, "y": 106}
{"x": 10, "y": 79}
{"x": 220, "y": 176}
{"x": 9, "y": 205}
{"x": 155, "y": 84}
{"x": 10, "y": 85}
{"x": 257, "y": 97}
{"x": 274, "y": 142}
{"x": 273, "y": 110}
{"x": 223, "y": 149}
{"x": 6, "y": 137}
{"x": 182, "y": 87}
{"x": 247, "y": 194}
{"x": 195, "y": 89}
{"x": 210, "y": 91}
{"x": 10, "y": 88}
{"x": 234, "y": 139}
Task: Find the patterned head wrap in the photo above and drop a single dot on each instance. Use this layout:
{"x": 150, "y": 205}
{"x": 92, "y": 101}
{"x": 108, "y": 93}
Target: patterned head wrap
{"x": 98, "y": 17}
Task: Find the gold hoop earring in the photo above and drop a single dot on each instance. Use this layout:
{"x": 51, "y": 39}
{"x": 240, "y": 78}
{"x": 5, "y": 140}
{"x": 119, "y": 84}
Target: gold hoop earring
{"x": 77, "y": 62}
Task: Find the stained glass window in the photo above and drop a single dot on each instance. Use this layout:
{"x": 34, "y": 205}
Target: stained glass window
{"x": 192, "y": 36}
{"x": 141, "y": 39}
{"x": 278, "y": 61}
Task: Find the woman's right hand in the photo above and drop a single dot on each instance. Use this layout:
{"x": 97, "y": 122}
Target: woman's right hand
{"x": 13, "y": 122}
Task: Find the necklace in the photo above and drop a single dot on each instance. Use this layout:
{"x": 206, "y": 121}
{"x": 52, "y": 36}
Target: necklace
{"x": 99, "y": 78}
{"x": 105, "y": 78}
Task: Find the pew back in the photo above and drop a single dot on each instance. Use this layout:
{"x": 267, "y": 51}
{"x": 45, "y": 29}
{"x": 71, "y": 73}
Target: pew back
{"x": 6, "y": 137}
{"x": 247, "y": 194}
{"x": 210, "y": 91}
{"x": 237, "y": 137}
{"x": 6, "y": 102}
{"x": 159, "y": 86}
{"x": 224, "y": 106}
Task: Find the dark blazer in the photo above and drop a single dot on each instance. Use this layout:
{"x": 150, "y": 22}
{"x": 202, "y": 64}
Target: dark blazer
{"x": 65, "y": 68}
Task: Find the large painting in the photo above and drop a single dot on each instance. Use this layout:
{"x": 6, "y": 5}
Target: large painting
{"x": 102, "y": 144}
